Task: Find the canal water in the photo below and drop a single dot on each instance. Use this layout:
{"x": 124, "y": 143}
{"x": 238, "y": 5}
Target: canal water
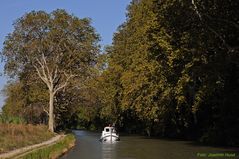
{"x": 88, "y": 146}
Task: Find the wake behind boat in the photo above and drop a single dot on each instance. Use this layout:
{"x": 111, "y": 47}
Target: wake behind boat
{"x": 109, "y": 135}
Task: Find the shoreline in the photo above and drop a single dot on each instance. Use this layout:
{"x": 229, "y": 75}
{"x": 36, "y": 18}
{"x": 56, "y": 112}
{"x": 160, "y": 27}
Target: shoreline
{"x": 51, "y": 151}
{"x": 19, "y": 151}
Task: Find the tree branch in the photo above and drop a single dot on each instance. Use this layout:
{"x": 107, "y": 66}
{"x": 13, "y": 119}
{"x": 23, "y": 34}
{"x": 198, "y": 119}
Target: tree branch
{"x": 42, "y": 68}
{"x": 196, "y": 9}
{"x": 45, "y": 110}
{"x": 47, "y": 69}
{"x": 42, "y": 74}
{"x": 55, "y": 74}
{"x": 64, "y": 84}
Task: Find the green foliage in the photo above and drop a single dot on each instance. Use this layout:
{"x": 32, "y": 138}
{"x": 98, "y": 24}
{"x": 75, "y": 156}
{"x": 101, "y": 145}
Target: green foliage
{"x": 25, "y": 101}
{"x": 68, "y": 43}
{"x": 46, "y": 53}
{"x": 172, "y": 70}
{"x": 14, "y": 97}
{"x": 173, "y": 67}
{"x": 11, "y": 120}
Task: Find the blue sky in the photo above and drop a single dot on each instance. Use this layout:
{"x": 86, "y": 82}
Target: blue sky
{"x": 106, "y": 16}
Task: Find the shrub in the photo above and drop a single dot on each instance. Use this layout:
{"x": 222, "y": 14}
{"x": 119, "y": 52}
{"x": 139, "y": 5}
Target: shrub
{"x": 11, "y": 120}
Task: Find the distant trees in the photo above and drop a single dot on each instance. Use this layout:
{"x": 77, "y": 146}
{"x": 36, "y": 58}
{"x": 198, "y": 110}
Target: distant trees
{"x": 55, "y": 48}
{"x": 14, "y": 98}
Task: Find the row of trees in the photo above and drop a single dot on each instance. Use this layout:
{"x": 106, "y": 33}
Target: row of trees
{"x": 172, "y": 70}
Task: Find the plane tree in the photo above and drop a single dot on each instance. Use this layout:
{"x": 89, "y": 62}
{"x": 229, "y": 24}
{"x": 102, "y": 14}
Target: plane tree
{"x": 55, "y": 48}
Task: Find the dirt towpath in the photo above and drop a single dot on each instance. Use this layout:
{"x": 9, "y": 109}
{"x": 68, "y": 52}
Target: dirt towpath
{"x": 26, "y": 149}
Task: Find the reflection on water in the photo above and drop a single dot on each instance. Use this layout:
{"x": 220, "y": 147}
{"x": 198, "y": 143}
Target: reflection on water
{"x": 108, "y": 150}
{"x": 88, "y": 146}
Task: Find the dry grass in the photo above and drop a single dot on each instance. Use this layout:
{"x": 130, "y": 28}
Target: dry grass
{"x": 13, "y": 136}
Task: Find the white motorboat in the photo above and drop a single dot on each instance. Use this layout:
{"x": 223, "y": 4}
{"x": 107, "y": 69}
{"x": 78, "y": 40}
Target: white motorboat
{"x": 109, "y": 135}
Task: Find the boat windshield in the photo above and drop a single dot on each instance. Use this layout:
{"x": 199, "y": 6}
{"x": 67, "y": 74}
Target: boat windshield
{"x": 110, "y": 129}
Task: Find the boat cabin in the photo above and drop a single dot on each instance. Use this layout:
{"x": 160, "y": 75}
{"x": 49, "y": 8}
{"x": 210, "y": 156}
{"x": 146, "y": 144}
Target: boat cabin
{"x": 109, "y": 130}
{"x": 109, "y": 134}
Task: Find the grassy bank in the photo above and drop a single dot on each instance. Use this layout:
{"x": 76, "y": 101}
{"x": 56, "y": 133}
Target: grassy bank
{"x": 53, "y": 151}
{"x": 13, "y": 136}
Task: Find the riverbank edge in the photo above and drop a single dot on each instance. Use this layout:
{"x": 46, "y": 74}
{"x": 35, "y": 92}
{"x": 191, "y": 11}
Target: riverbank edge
{"x": 51, "y": 151}
{"x": 22, "y": 152}
{"x": 19, "y": 151}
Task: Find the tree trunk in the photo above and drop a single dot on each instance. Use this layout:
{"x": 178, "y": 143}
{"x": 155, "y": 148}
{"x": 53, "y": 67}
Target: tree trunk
{"x": 51, "y": 114}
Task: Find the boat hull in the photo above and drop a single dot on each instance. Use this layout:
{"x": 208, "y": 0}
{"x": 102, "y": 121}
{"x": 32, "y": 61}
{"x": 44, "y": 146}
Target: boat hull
{"x": 109, "y": 138}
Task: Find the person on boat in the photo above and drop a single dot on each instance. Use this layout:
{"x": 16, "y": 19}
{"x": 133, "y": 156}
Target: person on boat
{"x": 114, "y": 129}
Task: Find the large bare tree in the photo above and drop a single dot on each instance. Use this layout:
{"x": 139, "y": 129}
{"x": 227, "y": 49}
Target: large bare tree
{"x": 57, "y": 47}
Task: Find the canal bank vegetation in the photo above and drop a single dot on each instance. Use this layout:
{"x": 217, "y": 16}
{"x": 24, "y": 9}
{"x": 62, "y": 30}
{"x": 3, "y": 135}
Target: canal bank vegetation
{"x": 14, "y": 136}
{"x": 53, "y": 151}
{"x": 171, "y": 71}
